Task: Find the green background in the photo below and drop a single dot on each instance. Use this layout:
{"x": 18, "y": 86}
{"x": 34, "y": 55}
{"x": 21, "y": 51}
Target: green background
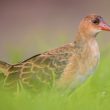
{"x": 31, "y": 27}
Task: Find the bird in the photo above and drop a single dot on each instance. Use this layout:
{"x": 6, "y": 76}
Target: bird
{"x": 67, "y": 66}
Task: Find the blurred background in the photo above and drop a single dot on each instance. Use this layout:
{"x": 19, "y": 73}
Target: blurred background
{"x": 28, "y": 27}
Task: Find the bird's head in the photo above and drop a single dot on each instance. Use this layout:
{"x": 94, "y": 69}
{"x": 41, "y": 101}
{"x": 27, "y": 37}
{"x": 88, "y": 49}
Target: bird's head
{"x": 93, "y": 24}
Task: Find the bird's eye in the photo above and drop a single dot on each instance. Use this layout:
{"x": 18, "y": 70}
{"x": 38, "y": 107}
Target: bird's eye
{"x": 96, "y": 21}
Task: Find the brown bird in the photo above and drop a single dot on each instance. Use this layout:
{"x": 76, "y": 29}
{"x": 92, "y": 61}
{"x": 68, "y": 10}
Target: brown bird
{"x": 65, "y": 67}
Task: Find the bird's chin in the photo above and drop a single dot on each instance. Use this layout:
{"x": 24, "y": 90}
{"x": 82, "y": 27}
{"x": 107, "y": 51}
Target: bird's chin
{"x": 95, "y": 32}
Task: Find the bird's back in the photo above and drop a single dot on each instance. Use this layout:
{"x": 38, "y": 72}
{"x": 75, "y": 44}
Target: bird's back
{"x": 39, "y": 70}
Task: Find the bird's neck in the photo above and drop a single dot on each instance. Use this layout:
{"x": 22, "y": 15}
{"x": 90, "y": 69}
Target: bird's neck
{"x": 83, "y": 39}
{"x": 85, "y": 36}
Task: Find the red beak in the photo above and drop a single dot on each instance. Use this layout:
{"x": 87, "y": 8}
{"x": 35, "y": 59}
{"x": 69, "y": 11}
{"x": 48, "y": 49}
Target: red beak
{"x": 104, "y": 26}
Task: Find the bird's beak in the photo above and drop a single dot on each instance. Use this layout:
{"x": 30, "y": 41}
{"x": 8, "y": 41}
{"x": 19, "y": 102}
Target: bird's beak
{"x": 104, "y": 26}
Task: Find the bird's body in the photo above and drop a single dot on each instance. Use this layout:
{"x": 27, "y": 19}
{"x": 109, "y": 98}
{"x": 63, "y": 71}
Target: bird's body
{"x": 66, "y": 66}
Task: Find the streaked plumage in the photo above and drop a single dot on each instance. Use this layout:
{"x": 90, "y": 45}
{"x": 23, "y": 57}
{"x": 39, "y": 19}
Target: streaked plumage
{"x": 65, "y": 67}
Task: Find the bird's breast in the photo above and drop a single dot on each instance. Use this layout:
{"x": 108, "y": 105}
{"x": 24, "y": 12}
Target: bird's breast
{"x": 94, "y": 49}
{"x": 81, "y": 64}
{"x": 92, "y": 56}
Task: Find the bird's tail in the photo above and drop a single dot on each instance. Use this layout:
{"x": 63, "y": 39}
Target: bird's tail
{"x": 3, "y": 67}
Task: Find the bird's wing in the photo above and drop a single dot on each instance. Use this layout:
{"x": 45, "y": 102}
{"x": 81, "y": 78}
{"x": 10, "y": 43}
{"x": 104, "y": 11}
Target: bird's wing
{"x": 41, "y": 69}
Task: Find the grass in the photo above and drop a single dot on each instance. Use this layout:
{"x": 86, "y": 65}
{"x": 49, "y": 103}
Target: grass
{"x": 94, "y": 94}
